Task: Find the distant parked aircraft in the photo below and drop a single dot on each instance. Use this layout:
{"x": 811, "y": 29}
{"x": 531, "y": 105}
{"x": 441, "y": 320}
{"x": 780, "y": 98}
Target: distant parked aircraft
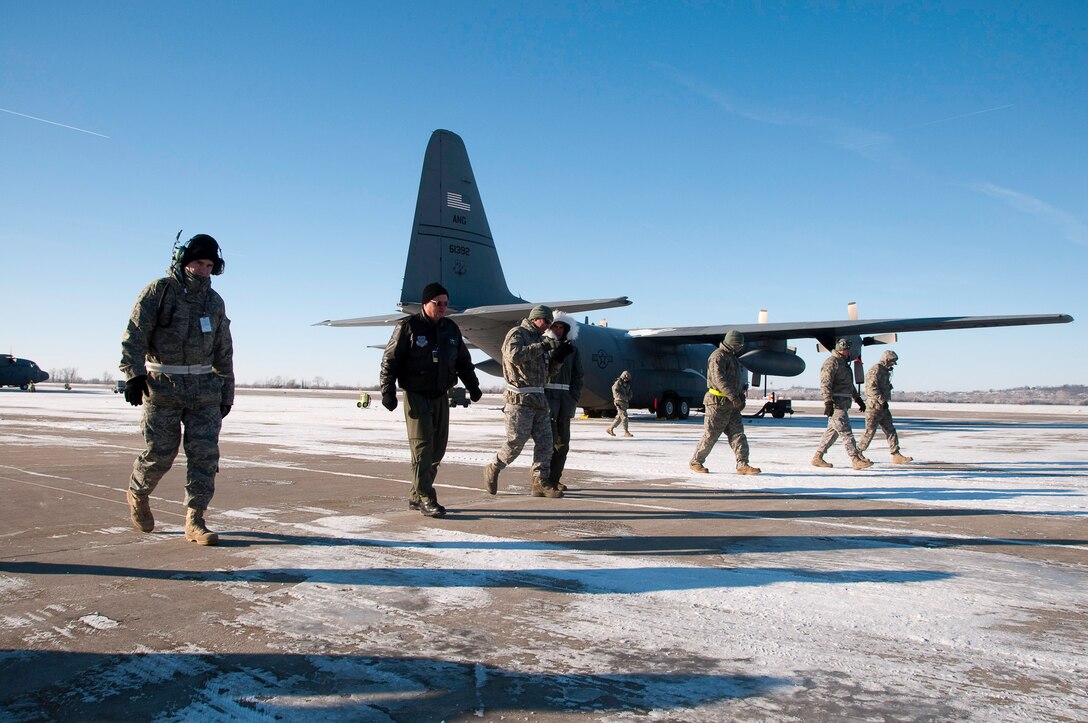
{"x": 452, "y": 244}
{"x": 19, "y": 372}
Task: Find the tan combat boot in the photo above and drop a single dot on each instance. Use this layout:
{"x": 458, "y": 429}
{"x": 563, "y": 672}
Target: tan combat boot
{"x": 627, "y": 434}
{"x": 542, "y": 490}
{"x": 696, "y": 467}
{"x": 491, "y": 479}
{"x": 140, "y": 511}
{"x": 861, "y": 463}
{"x": 819, "y": 461}
{"x": 610, "y": 432}
{"x": 898, "y": 458}
{"x": 745, "y": 468}
{"x": 196, "y": 531}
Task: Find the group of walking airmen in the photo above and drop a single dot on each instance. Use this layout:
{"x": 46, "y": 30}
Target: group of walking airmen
{"x": 543, "y": 373}
{"x": 177, "y": 358}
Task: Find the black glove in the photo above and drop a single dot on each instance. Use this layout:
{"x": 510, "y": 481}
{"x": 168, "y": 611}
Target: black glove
{"x": 740, "y": 404}
{"x": 861, "y": 405}
{"x": 565, "y": 349}
{"x": 389, "y": 400}
{"x": 829, "y": 408}
{"x": 884, "y": 406}
{"x": 474, "y": 394}
{"x": 135, "y": 389}
{"x": 224, "y": 410}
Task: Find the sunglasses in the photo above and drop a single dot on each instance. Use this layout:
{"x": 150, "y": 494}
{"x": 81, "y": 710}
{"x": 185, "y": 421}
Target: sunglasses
{"x": 439, "y": 303}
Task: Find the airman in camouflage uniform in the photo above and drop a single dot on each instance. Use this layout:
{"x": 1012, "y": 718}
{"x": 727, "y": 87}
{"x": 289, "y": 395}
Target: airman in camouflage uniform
{"x": 565, "y": 379}
{"x": 723, "y": 403}
{"x": 526, "y": 354}
{"x": 837, "y": 386}
{"x": 621, "y": 399}
{"x": 878, "y": 392}
{"x": 178, "y": 359}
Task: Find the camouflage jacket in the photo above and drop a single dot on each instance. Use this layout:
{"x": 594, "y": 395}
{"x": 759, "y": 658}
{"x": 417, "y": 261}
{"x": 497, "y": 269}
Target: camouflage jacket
{"x": 167, "y": 327}
{"x": 836, "y": 380}
{"x": 878, "y": 385}
{"x": 723, "y": 374}
{"x": 564, "y": 402}
{"x": 525, "y": 357}
{"x": 621, "y": 394}
{"x": 426, "y": 358}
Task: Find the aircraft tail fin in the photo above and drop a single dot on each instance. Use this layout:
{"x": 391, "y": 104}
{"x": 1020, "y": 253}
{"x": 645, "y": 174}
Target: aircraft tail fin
{"x": 451, "y": 240}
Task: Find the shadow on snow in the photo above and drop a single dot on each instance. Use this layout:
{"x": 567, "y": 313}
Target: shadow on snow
{"x": 57, "y": 685}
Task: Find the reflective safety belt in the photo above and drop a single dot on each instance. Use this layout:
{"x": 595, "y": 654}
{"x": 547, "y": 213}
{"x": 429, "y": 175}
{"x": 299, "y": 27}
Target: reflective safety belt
{"x": 524, "y": 390}
{"x": 178, "y": 369}
{"x": 563, "y": 387}
{"x": 715, "y": 392}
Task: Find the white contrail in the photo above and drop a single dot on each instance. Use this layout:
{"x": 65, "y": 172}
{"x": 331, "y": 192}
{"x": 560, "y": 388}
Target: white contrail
{"x": 62, "y": 125}
{"x": 957, "y": 117}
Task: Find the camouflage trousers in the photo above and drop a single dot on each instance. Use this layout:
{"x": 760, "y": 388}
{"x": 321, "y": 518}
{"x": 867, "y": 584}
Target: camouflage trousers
{"x": 560, "y": 446}
{"x": 721, "y": 418}
{"x": 161, "y": 428}
{"x": 880, "y": 417}
{"x": 522, "y": 423}
{"x": 621, "y": 418}
{"x": 838, "y": 424}
{"x": 428, "y": 422}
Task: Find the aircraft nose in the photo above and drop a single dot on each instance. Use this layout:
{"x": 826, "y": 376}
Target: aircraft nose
{"x": 42, "y": 377}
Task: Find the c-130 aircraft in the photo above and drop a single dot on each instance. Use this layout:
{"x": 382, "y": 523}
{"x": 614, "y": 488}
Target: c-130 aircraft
{"x": 20, "y": 373}
{"x": 452, "y": 244}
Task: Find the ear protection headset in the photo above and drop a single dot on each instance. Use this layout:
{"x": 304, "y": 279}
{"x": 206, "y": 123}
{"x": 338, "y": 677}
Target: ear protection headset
{"x": 182, "y": 248}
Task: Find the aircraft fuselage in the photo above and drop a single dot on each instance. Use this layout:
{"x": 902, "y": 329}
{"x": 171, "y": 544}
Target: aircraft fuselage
{"x": 19, "y": 372}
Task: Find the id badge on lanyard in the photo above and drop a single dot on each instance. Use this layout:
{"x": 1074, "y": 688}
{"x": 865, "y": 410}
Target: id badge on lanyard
{"x": 206, "y": 325}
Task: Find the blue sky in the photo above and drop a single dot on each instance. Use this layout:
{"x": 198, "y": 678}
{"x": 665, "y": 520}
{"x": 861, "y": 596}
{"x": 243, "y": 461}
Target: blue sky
{"x": 707, "y": 160}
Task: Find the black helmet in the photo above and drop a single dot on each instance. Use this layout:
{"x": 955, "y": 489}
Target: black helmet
{"x": 201, "y": 246}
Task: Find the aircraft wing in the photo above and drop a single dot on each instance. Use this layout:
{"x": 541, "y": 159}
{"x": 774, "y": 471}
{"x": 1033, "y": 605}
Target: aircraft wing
{"x": 512, "y": 313}
{"x": 386, "y": 320}
{"x": 827, "y": 331}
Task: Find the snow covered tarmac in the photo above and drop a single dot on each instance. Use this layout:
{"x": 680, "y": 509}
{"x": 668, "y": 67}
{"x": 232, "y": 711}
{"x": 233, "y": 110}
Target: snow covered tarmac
{"x": 952, "y": 588}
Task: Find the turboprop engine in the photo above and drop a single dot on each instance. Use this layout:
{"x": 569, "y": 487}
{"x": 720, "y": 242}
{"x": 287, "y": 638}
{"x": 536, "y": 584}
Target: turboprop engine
{"x": 769, "y": 362}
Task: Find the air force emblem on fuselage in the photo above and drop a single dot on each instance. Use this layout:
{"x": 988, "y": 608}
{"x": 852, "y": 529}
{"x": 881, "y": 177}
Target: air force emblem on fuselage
{"x": 602, "y": 358}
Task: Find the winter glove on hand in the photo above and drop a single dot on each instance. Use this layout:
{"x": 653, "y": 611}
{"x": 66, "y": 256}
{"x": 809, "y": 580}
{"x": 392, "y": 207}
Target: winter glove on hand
{"x": 861, "y": 405}
{"x": 474, "y": 394}
{"x": 135, "y": 389}
{"x": 884, "y": 406}
{"x": 740, "y": 404}
{"x": 224, "y": 410}
{"x": 829, "y": 408}
{"x": 389, "y": 400}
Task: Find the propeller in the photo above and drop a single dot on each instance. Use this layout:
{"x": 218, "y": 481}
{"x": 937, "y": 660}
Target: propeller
{"x": 857, "y": 343}
{"x": 756, "y": 376}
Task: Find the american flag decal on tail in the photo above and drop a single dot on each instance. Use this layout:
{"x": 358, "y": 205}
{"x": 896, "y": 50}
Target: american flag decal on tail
{"x": 454, "y": 200}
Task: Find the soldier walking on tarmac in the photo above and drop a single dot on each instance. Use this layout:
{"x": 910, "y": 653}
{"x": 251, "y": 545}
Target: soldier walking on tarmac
{"x": 564, "y": 386}
{"x": 878, "y": 392}
{"x": 621, "y": 399}
{"x": 178, "y": 360}
{"x": 723, "y": 403}
{"x": 837, "y": 387}
{"x": 425, "y": 356}
{"x": 526, "y": 354}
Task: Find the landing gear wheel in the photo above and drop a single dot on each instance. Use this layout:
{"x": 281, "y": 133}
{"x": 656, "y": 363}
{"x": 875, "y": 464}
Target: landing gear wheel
{"x": 683, "y": 409}
{"x": 666, "y": 409}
